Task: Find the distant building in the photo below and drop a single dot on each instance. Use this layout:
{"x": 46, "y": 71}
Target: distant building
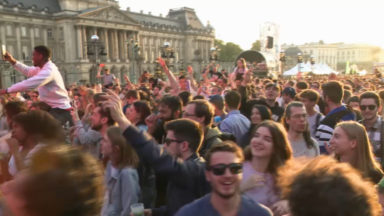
{"x": 337, "y": 54}
{"x": 66, "y": 26}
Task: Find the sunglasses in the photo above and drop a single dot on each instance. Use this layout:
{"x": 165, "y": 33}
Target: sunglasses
{"x": 370, "y": 107}
{"x": 219, "y": 169}
{"x": 168, "y": 141}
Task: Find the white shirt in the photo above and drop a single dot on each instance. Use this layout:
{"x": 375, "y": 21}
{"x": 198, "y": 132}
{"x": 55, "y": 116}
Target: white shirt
{"x": 48, "y": 82}
{"x": 12, "y": 163}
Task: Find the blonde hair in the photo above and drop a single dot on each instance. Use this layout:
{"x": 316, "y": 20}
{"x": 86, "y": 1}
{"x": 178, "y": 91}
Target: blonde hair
{"x": 365, "y": 161}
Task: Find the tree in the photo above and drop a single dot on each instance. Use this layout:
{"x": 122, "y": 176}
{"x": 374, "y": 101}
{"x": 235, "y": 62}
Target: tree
{"x": 256, "y": 46}
{"x": 228, "y": 51}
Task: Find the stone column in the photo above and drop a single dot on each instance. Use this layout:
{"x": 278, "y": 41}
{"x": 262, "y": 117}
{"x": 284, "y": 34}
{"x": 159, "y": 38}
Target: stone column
{"x": 45, "y": 36}
{"x": 2, "y": 34}
{"x": 32, "y": 32}
{"x": 18, "y": 41}
{"x": 84, "y": 40}
{"x": 116, "y": 45}
{"x": 80, "y": 43}
{"x": 106, "y": 42}
{"x": 125, "y": 46}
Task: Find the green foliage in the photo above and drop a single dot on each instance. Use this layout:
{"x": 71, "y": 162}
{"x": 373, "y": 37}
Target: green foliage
{"x": 228, "y": 51}
{"x": 256, "y": 46}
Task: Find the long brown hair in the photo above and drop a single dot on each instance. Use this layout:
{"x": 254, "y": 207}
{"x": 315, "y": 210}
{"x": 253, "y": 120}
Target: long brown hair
{"x": 128, "y": 156}
{"x": 282, "y": 151}
{"x": 365, "y": 161}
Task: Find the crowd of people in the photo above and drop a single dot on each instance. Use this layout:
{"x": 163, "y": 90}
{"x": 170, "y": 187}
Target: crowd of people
{"x": 228, "y": 144}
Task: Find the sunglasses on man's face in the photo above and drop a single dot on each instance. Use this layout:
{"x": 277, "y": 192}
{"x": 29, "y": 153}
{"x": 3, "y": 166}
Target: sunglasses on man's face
{"x": 370, "y": 107}
{"x": 219, "y": 169}
{"x": 168, "y": 141}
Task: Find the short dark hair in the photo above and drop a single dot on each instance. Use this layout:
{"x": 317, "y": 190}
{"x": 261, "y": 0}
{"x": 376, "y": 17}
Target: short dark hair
{"x": 232, "y": 99}
{"x": 308, "y": 185}
{"x": 44, "y": 51}
{"x": 264, "y": 111}
{"x": 310, "y": 94}
{"x": 217, "y": 101}
{"x": 302, "y": 85}
{"x": 142, "y": 107}
{"x": 372, "y": 95}
{"x": 185, "y": 97}
{"x": 13, "y": 108}
{"x": 274, "y": 85}
{"x": 186, "y": 130}
{"x": 333, "y": 90}
{"x": 133, "y": 94}
{"x": 105, "y": 112}
{"x": 172, "y": 102}
{"x": 42, "y": 124}
{"x": 226, "y": 146}
{"x": 204, "y": 109}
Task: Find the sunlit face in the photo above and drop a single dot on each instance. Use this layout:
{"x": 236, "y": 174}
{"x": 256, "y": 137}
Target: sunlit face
{"x": 256, "y": 116}
{"x": 131, "y": 114}
{"x": 366, "y": 105}
{"x": 297, "y": 121}
{"x": 239, "y": 63}
{"x": 106, "y": 146}
{"x": 96, "y": 119}
{"x": 354, "y": 105}
{"x": 309, "y": 105}
{"x": 228, "y": 184}
{"x": 37, "y": 58}
{"x": 271, "y": 93}
{"x": 215, "y": 91}
{"x": 262, "y": 143}
{"x": 189, "y": 113}
{"x": 183, "y": 84}
{"x": 340, "y": 142}
{"x": 165, "y": 112}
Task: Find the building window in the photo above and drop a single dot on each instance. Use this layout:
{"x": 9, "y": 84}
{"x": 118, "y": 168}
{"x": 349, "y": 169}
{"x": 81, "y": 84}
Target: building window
{"x": 9, "y": 30}
{"x": 25, "y": 53}
{"x": 23, "y": 30}
{"x": 37, "y": 32}
{"x": 49, "y": 33}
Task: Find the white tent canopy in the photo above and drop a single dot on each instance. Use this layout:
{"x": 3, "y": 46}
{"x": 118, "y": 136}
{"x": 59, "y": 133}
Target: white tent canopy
{"x": 319, "y": 69}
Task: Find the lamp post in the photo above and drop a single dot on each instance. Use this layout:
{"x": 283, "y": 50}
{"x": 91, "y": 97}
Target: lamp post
{"x": 282, "y": 62}
{"x": 95, "y": 48}
{"x": 133, "y": 45}
{"x": 168, "y": 54}
{"x": 213, "y": 54}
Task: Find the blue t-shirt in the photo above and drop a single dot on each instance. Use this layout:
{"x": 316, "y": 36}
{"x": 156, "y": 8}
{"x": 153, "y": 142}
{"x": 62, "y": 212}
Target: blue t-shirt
{"x": 203, "y": 206}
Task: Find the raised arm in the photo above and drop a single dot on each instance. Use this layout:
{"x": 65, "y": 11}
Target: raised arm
{"x": 171, "y": 77}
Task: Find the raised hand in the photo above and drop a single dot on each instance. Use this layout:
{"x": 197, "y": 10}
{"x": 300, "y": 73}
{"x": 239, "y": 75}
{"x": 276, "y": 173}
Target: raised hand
{"x": 113, "y": 103}
{"x": 162, "y": 62}
{"x": 190, "y": 70}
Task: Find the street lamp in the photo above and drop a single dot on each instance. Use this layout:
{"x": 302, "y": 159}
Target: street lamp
{"x": 135, "y": 50}
{"x": 167, "y": 53}
{"x": 96, "y": 49}
{"x": 213, "y": 54}
{"x": 282, "y": 59}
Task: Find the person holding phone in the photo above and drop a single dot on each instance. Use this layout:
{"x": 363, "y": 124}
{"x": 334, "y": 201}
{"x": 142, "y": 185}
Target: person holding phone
{"x": 46, "y": 77}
